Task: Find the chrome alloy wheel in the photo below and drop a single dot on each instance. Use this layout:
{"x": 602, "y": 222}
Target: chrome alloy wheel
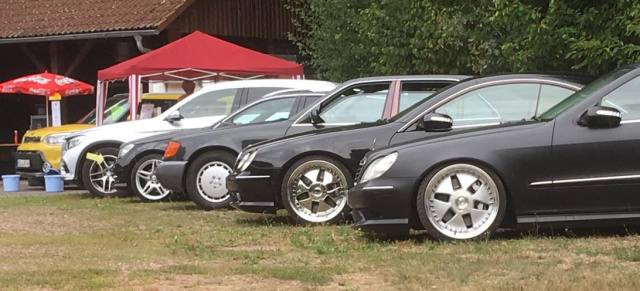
{"x": 462, "y": 201}
{"x": 212, "y": 181}
{"x": 147, "y": 183}
{"x": 101, "y": 174}
{"x": 317, "y": 191}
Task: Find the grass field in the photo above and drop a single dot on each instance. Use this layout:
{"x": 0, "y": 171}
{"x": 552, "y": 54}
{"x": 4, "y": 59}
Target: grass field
{"x": 75, "y": 242}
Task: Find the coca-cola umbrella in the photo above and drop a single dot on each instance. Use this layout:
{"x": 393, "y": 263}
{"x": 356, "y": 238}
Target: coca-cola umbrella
{"x": 46, "y": 84}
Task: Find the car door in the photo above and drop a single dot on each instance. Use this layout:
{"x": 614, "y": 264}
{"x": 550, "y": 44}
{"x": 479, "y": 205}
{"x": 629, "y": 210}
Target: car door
{"x": 598, "y": 169}
{"x": 204, "y": 110}
{"x": 492, "y": 105}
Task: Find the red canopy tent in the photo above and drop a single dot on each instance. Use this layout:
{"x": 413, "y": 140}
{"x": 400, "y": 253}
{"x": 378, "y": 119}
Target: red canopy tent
{"x": 197, "y": 56}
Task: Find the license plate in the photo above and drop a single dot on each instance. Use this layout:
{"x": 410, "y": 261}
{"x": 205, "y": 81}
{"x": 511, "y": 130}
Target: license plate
{"x": 23, "y": 163}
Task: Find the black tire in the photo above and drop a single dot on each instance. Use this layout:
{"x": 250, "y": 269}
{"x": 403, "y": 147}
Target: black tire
{"x": 158, "y": 193}
{"x": 201, "y": 163}
{"x": 430, "y": 181}
{"x": 86, "y": 169}
{"x": 299, "y": 212}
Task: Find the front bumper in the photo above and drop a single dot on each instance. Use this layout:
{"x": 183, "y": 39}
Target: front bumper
{"x": 171, "y": 175}
{"x": 382, "y": 206}
{"x": 253, "y": 193}
{"x": 123, "y": 167}
{"x": 36, "y": 161}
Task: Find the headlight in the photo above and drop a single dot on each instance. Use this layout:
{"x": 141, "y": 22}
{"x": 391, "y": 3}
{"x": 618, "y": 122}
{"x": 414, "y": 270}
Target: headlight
{"x": 74, "y": 141}
{"x": 245, "y": 160}
{"x": 55, "y": 139}
{"x": 124, "y": 150}
{"x": 378, "y": 167}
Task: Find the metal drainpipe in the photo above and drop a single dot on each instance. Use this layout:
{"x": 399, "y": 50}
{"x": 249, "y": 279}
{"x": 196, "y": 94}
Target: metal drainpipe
{"x": 139, "y": 44}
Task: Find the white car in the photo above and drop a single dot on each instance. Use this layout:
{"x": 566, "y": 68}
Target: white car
{"x": 88, "y": 156}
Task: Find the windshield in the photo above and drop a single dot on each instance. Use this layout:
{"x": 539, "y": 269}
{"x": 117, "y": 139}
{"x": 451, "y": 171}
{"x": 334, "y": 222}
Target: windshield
{"x": 111, "y": 103}
{"x": 583, "y": 94}
{"x": 112, "y": 114}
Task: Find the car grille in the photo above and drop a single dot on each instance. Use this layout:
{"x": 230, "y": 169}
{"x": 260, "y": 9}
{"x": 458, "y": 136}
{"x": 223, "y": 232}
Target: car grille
{"x": 28, "y": 139}
{"x": 359, "y": 171}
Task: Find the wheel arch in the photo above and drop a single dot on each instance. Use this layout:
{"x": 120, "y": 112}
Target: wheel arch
{"x": 290, "y": 162}
{"x": 199, "y": 152}
{"x": 92, "y": 147}
{"x": 510, "y": 219}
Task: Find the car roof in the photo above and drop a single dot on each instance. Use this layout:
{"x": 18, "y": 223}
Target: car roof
{"x": 270, "y": 83}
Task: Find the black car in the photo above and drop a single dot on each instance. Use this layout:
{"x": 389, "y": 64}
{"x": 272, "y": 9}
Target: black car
{"x": 309, "y": 174}
{"x": 137, "y": 160}
{"x": 575, "y": 165}
{"x": 199, "y": 163}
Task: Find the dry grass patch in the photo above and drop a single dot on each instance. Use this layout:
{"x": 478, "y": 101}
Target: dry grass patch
{"x": 75, "y": 242}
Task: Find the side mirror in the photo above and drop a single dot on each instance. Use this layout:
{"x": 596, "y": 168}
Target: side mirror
{"x": 314, "y": 116}
{"x": 174, "y": 116}
{"x": 601, "y": 117}
{"x": 435, "y": 122}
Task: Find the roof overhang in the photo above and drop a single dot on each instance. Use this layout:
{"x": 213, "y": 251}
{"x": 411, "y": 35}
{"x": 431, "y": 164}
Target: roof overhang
{"x": 77, "y": 36}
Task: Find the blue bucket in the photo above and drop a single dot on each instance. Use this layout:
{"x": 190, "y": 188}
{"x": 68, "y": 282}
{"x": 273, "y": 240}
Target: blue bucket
{"x": 11, "y": 183}
{"x": 53, "y": 183}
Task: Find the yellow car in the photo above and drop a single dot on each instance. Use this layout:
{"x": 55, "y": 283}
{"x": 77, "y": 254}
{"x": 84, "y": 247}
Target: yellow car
{"x": 41, "y": 148}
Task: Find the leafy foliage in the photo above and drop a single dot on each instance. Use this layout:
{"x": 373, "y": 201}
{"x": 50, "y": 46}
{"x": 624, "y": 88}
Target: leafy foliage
{"x": 354, "y": 38}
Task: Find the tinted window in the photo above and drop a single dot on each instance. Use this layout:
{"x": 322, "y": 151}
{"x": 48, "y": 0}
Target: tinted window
{"x": 214, "y": 103}
{"x": 414, "y": 92}
{"x": 625, "y": 98}
{"x": 91, "y": 117}
{"x": 550, "y": 96}
{"x": 363, "y": 103}
{"x": 310, "y": 99}
{"x": 257, "y": 93}
{"x": 272, "y": 110}
{"x": 584, "y": 93}
{"x": 500, "y": 103}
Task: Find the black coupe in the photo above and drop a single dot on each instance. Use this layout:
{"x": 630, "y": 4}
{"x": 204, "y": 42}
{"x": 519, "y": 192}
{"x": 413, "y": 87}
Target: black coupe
{"x": 576, "y": 164}
{"x": 309, "y": 174}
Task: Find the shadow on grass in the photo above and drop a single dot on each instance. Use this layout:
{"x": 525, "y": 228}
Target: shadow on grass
{"x": 267, "y": 220}
{"x": 182, "y": 207}
{"x": 531, "y": 233}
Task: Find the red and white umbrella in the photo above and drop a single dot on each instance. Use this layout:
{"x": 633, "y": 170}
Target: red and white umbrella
{"x": 46, "y": 84}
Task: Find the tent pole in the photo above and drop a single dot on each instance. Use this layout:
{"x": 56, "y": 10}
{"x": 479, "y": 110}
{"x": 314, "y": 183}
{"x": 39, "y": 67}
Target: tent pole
{"x": 46, "y": 98}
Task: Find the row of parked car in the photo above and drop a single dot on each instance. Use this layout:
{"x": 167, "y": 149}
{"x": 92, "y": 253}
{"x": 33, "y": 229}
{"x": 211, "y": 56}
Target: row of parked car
{"x": 455, "y": 155}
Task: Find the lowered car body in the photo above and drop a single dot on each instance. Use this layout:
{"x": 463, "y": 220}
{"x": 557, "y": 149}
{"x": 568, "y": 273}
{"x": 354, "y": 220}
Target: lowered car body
{"x": 198, "y": 163}
{"x": 309, "y": 174}
{"x": 135, "y": 166}
{"x": 575, "y": 165}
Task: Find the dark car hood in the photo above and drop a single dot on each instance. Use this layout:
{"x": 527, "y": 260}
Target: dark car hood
{"x": 167, "y": 136}
{"x": 319, "y": 132}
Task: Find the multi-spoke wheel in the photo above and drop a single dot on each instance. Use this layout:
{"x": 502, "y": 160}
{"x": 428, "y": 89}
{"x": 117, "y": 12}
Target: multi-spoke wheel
{"x": 207, "y": 180}
{"x": 314, "y": 190}
{"x": 461, "y": 201}
{"x": 98, "y": 177}
{"x": 143, "y": 177}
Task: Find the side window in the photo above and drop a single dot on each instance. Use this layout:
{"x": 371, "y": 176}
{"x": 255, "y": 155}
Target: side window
{"x": 550, "y": 96}
{"x": 625, "y": 98}
{"x": 257, "y": 93}
{"x": 310, "y": 99}
{"x": 362, "y": 103}
{"x": 415, "y": 92}
{"x": 214, "y": 103}
{"x": 500, "y": 103}
{"x": 271, "y": 110}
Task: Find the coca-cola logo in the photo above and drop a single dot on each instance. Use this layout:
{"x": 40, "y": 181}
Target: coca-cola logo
{"x": 73, "y": 92}
{"x": 39, "y": 91}
{"x": 8, "y": 89}
{"x": 35, "y": 79}
{"x": 61, "y": 81}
